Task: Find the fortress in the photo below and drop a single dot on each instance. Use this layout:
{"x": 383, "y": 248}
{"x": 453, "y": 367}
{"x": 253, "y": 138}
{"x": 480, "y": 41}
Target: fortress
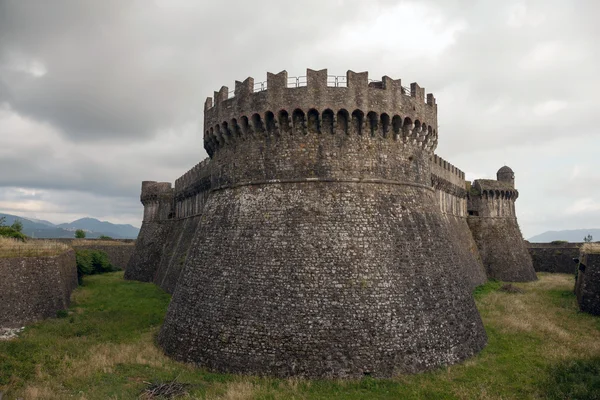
{"x": 323, "y": 237}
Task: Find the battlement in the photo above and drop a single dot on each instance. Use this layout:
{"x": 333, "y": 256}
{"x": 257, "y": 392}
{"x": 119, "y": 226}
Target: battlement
{"x": 313, "y": 79}
{"x": 493, "y": 189}
{"x": 155, "y": 191}
{"x": 320, "y": 103}
{"x": 446, "y": 166}
{"x": 194, "y": 180}
{"x": 157, "y": 198}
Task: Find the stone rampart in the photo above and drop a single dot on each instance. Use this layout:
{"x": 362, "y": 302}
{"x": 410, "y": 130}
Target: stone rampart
{"x": 119, "y": 251}
{"x": 493, "y": 223}
{"x": 192, "y": 189}
{"x": 34, "y": 288}
{"x": 321, "y": 250}
{"x": 502, "y": 249}
{"x": 451, "y": 197}
{"x": 175, "y": 252}
{"x": 554, "y": 257}
{"x": 587, "y": 287}
{"x": 158, "y": 201}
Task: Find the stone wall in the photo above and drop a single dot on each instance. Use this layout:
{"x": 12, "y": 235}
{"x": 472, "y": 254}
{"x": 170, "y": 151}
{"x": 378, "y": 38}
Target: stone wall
{"x": 118, "y": 254}
{"x": 34, "y": 288}
{"x": 175, "y": 252}
{"x": 148, "y": 250}
{"x": 557, "y": 257}
{"x": 119, "y": 251}
{"x": 494, "y": 227}
{"x": 587, "y": 287}
{"x": 321, "y": 250}
{"x": 502, "y": 249}
{"x": 451, "y": 197}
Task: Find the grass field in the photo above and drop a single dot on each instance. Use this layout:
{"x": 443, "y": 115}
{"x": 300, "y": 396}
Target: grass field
{"x": 540, "y": 346}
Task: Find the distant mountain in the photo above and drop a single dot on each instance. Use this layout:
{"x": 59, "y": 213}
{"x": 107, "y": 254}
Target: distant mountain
{"x": 124, "y": 231}
{"x": 573, "y": 236}
{"x": 93, "y": 228}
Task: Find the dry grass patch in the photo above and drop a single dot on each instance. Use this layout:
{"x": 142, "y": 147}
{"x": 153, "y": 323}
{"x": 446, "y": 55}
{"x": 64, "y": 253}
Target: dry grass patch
{"x": 566, "y": 332}
{"x": 238, "y": 390}
{"x": 103, "y": 358}
{"x": 11, "y": 248}
{"x": 99, "y": 242}
{"x": 591, "y": 248}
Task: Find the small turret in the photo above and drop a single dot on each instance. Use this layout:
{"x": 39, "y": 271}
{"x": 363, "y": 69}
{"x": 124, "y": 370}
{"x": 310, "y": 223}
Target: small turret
{"x": 157, "y": 198}
{"x": 505, "y": 174}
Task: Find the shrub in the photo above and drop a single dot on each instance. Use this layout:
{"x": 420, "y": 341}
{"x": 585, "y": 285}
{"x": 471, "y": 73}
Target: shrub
{"x": 92, "y": 262}
{"x": 8, "y": 231}
{"x": 559, "y": 242}
{"x": 79, "y": 234}
{"x": 104, "y": 237}
{"x": 17, "y": 225}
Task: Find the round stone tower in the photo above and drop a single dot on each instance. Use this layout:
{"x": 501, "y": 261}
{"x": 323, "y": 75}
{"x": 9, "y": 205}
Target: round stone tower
{"x": 322, "y": 252}
{"x": 505, "y": 174}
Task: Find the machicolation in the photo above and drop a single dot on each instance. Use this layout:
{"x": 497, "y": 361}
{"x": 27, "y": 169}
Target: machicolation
{"x": 323, "y": 237}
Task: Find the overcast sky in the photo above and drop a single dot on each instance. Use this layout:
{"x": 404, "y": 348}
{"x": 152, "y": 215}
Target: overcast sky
{"x": 96, "y": 96}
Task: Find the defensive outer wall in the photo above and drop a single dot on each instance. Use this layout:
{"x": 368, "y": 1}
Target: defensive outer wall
{"x": 321, "y": 238}
{"x": 587, "y": 286}
{"x": 493, "y": 223}
{"x": 554, "y": 257}
{"x": 34, "y": 288}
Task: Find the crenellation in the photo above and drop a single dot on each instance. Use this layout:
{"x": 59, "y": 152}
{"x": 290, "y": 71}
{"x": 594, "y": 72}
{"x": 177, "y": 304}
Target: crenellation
{"x": 358, "y": 94}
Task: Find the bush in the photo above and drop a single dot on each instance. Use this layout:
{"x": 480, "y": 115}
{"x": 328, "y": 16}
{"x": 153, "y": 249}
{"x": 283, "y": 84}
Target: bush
{"x": 79, "y": 234}
{"x": 10, "y": 232}
{"x": 17, "y": 226}
{"x": 92, "y": 262}
{"x": 104, "y": 237}
{"x": 559, "y": 242}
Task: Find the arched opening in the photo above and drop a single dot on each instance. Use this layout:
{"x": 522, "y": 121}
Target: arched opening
{"x": 327, "y": 122}
{"x": 342, "y": 121}
{"x": 407, "y": 127}
{"x": 357, "y": 121}
{"x": 235, "y": 129}
{"x": 225, "y": 131}
{"x": 245, "y": 126}
{"x": 284, "y": 121}
{"x": 217, "y": 135}
{"x": 385, "y": 124}
{"x": 373, "y": 123}
{"x": 417, "y": 129}
{"x": 298, "y": 121}
{"x": 397, "y": 125}
{"x": 313, "y": 121}
{"x": 270, "y": 123}
{"x": 257, "y": 124}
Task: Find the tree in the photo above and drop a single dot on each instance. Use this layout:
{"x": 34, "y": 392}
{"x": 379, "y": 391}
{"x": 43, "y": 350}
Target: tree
{"x": 17, "y": 225}
{"x": 2, "y": 220}
{"x": 588, "y": 238}
{"x": 79, "y": 234}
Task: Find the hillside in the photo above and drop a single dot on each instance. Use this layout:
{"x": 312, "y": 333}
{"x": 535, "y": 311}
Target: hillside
{"x": 573, "y": 236}
{"x": 93, "y": 228}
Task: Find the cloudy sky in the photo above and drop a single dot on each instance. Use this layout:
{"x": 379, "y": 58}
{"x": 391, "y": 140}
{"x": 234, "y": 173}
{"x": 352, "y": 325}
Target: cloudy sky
{"x": 98, "y": 95}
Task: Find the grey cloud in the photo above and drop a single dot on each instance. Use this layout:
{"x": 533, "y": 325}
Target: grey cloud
{"x": 125, "y": 82}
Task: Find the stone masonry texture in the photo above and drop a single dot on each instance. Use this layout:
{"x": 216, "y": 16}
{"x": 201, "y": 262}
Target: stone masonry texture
{"x": 34, "y": 288}
{"x": 321, "y": 248}
{"x": 323, "y": 238}
{"x": 493, "y": 223}
{"x": 554, "y": 257}
{"x": 587, "y": 287}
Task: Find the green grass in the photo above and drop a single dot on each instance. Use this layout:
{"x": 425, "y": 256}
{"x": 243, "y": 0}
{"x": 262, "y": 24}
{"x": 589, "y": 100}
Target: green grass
{"x": 539, "y": 346}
